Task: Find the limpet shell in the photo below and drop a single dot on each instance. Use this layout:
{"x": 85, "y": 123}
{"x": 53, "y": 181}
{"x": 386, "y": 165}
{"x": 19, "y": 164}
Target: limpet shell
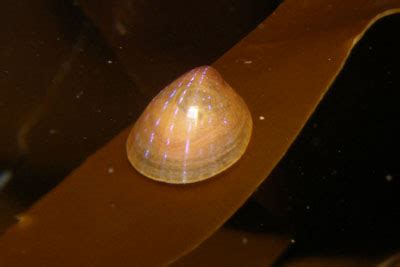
{"x": 195, "y": 128}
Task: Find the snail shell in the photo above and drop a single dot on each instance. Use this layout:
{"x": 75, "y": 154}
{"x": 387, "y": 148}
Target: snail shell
{"x": 192, "y": 130}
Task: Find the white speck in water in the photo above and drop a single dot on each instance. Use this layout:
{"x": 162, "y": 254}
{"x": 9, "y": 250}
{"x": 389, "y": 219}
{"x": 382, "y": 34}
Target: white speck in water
{"x": 261, "y": 118}
{"x": 84, "y": 138}
{"x": 389, "y": 177}
{"x": 120, "y": 47}
{"x": 308, "y": 207}
{"x": 244, "y": 240}
{"x": 329, "y": 59}
{"x": 109, "y": 62}
{"x": 52, "y": 131}
{"x": 248, "y": 62}
{"x": 110, "y": 170}
{"x": 5, "y": 177}
{"x": 292, "y": 241}
{"x": 79, "y": 94}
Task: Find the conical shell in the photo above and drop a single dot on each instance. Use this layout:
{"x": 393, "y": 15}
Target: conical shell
{"x": 192, "y": 130}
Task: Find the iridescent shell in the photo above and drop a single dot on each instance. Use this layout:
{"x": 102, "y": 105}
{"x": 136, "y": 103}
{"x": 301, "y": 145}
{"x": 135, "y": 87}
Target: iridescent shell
{"x": 195, "y": 128}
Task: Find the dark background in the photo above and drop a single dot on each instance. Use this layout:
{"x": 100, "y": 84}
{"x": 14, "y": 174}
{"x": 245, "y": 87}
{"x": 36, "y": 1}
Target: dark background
{"x": 337, "y": 190}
